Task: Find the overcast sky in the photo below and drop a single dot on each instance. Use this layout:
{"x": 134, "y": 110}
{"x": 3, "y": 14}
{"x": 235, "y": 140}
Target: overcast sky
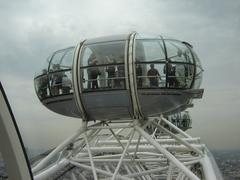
{"x": 31, "y": 30}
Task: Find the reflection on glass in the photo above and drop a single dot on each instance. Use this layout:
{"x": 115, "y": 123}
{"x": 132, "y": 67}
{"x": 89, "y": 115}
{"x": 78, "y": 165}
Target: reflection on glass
{"x": 62, "y": 60}
{"x": 149, "y": 50}
{"x": 103, "y": 53}
{"x": 178, "y": 52}
{"x": 55, "y": 62}
{"x": 44, "y": 68}
{"x": 67, "y": 59}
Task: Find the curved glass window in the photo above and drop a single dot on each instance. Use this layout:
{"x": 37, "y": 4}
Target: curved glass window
{"x": 198, "y": 77}
{"x": 178, "y": 52}
{"x": 154, "y": 71}
{"x": 53, "y": 84}
{"x": 199, "y": 70}
{"x": 149, "y": 50}
{"x": 61, "y": 82}
{"x": 180, "y": 75}
{"x": 67, "y": 59}
{"x": 42, "y": 86}
{"x": 58, "y": 80}
{"x": 41, "y": 81}
{"x": 55, "y": 62}
{"x": 150, "y": 61}
{"x": 102, "y": 66}
{"x": 62, "y": 60}
{"x": 197, "y": 61}
{"x": 60, "y": 74}
{"x": 150, "y": 75}
{"x": 44, "y": 69}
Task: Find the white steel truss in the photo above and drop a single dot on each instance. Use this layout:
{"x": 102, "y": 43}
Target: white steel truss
{"x": 127, "y": 150}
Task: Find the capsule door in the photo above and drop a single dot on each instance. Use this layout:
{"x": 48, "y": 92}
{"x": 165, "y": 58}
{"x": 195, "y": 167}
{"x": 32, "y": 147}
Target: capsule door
{"x": 104, "y": 92}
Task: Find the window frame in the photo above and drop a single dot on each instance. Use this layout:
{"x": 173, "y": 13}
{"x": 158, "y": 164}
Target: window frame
{"x": 166, "y": 61}
{"x": 82, "y": 68}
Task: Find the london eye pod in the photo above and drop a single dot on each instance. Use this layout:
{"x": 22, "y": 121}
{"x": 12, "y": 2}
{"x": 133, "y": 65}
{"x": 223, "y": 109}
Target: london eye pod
{"x": 118, "y": 77}
{"x": 182, "y": 120}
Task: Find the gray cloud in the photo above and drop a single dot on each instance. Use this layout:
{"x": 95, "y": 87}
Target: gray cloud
{"x": 31, "y": 30}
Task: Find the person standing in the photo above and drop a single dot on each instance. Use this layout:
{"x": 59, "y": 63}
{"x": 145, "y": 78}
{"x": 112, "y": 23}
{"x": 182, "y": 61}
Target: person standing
{"x": 153, "y": 76}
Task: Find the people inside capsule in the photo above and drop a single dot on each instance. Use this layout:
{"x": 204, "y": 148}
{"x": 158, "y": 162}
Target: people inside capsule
{"x": 120, "y": 81}
{"x": 43, "y": 85}
{"x": 180, "y": 70}
{"x": 102, "y": 76}
{"x": 153, "y": 76}
{"x": 110, "y": 69}
{"x": 189, "y": 74}
{"x": 66, "y": 84}
{"x": 188, "y": 69}
{"x": 119, "y": 77}
{"x": 57, "y": 76}
{"x": 93, "y": 72}
{"x": 171, "y": 71}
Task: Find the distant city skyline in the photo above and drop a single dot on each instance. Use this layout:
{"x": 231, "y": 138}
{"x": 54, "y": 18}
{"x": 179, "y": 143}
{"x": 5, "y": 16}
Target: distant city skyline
{"x": 31, "y": 30}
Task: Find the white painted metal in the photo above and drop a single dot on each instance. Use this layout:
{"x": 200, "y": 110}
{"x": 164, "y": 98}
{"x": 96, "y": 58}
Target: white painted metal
{"x": 170, "y": 171}
{"x": 182, "y": 141}
{"x": 98, "y": 170}
{"x": 76, "y": 76}
{"x": 122, "y": 156}
{"x": 90, "y": 157}
{"x": 166, "y": 153}
{"x": 143, "y": 148}
{"x": 143, "y": 141}
{"x": 44, "y": 162}
{"x": 132, "y": 74}
{"x": 139, "y": 155}
{"x": 51, "y": 170}
{"x": 10, "y": 145}
{"x": 208, "y": 168}
{"x": 174, "y": 127}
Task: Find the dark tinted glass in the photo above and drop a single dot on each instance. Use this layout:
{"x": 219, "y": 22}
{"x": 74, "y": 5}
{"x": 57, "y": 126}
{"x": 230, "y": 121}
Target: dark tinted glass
{"x": 3, "y": 173}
